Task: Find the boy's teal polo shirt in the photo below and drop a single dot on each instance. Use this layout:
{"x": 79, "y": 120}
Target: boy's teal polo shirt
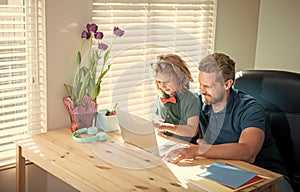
{"x": 186, "y": 106}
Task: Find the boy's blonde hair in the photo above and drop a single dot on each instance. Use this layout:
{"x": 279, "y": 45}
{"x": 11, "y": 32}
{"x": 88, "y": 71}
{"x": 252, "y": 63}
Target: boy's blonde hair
{"x": 177, "y": 68}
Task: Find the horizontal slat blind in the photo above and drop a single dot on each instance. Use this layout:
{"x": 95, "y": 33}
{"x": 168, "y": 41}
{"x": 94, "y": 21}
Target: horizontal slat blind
{"x": 22, "y": 74}
{"x": 152, "y": 27}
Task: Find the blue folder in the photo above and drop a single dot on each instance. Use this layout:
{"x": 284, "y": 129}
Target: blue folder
{"x": 227, "y": 175}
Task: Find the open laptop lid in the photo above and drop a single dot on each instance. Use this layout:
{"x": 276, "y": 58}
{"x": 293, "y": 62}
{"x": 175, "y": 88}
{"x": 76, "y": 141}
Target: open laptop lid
{"x": 138, "y": 131}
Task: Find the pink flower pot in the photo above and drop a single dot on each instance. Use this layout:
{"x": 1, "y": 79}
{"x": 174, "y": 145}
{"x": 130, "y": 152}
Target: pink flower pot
{"x": 82, "y": 115}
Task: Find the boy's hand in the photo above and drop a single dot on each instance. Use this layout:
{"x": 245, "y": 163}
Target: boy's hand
{"x": 157, "y": 121}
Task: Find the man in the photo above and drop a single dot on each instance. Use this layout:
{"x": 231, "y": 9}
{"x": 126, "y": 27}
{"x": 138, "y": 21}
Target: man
{"x": 232, "y": 123}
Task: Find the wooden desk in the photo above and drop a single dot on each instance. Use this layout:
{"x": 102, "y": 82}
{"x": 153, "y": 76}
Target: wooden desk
{"x": 77, "y": 165}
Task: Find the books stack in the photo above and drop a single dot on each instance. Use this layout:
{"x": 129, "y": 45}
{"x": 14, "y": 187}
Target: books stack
{"x": 227, "y": 177}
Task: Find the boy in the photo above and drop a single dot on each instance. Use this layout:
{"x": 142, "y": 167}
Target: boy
{"x": 176, "y": 105}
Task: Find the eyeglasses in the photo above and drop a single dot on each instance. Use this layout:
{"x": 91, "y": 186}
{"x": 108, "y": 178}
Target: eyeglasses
{"x": 161, "y": 65}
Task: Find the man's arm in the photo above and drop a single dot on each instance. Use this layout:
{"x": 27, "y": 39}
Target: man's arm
{"x": 248, "y": 146}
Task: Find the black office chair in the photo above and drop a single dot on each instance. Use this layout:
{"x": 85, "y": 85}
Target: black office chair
{"x": 279, "y": 92}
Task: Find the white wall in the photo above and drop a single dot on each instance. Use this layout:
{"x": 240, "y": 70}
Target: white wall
{"x": 236, "y": 30}
{"x": 65, "y": 20}
{"x": 278, "y": 43}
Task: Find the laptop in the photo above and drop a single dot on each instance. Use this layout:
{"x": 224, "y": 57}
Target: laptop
{"x": 140, "y": 132}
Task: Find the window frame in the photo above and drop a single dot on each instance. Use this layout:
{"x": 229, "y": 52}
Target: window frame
{"x": 22, "y": 74}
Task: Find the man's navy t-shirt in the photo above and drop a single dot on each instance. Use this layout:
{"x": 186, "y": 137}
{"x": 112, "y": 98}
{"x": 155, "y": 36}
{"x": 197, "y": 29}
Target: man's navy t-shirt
{"x": 241, "y": 111}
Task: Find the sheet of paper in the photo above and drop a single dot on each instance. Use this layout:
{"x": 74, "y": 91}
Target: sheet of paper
{"x": 227, "y": 175}
{"x": 168, "y": 146}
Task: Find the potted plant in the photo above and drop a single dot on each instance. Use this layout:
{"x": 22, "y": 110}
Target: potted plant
{"x": 81, "y": 102}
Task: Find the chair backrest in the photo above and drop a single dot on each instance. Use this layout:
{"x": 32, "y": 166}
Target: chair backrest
{"x": 279, "y": 93}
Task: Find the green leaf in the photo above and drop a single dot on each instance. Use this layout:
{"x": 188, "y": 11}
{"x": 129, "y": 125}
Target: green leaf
{"x": 77, "y": 98}
{"x": 80, "y": 85}
{"x": 78, "y": 59}
{"x": 85, "y": 70}
{"x": 91, "y": 88}
{"x": 84, "y": 85}
{"x": 81, "y": 72}
{"x": 69, "y": 88}
{"x": 96, "y": 56}
{"x": 74, "y": 99}
{"x": 91, "y": 61}
{"x": 103, "y": 74}
{"x": 93, "y": 65}
{"x": 97, "y": 90}
{"x": 106, "y": 56}
{"x": 77, "y": 78}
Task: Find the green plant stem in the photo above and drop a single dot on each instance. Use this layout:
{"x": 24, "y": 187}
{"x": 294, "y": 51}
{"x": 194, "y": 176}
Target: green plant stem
{"x": 104, "y": 61}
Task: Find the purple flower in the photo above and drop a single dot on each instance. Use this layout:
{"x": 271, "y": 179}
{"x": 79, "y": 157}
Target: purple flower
{"x": 85, "y": 35}
{"x": 118, "y": 32}
{"x": 92, "y": 27}
{"x": 98, "y": 35}
{"x": 102, "y": 46}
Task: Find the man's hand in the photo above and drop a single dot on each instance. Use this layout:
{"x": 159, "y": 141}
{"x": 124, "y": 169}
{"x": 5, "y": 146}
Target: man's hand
{"x": 179, "y": 154}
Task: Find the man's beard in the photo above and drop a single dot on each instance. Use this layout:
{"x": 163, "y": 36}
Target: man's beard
{"x": 213, "y": 100}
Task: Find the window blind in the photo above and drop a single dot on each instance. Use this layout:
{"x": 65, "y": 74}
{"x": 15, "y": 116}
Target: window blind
{"x": 152, "y": 27}
{"x": 22, "y": 73}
